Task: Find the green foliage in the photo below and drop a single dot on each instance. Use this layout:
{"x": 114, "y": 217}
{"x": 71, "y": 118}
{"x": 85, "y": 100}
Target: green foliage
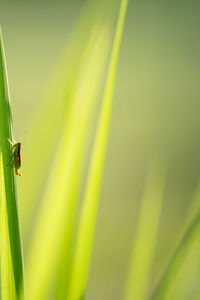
{"x": 146, "y": 236}
{"x": 72, "y": 106}
{"x": 188, "y": 240}
{"x": 90, "y": 204}
{"x": 10, "y": 241}
{"x": 69, "y": 132}
{"x": 61, "y": 196}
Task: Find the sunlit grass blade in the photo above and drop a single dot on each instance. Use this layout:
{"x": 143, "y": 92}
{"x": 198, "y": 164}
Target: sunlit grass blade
{"x": 56, "y": 216}
{"x": 88, "y": 95}
{"x": 60, "y": 88}
{"x": 10, "y": 242}
{"x": 146, "y": 235}
{"x": 184, "y": 284}
{"x": 189, "y": 238}
{"x": 87, "y": 224}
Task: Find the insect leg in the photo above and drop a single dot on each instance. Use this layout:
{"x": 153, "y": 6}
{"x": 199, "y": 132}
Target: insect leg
{"x": 10, "y": 142}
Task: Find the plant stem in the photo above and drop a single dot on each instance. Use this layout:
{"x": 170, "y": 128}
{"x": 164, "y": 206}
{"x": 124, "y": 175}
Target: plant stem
{"x": 10, "y": 241}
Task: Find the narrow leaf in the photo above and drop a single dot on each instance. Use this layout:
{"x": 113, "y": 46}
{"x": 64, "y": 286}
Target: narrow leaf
{"x": 146, "y": 235}
{"x": 56, "y": 218}
{"x": 10, "y": 252}
{"x": 191, "y": 235}
{"x": 87, "y": 224}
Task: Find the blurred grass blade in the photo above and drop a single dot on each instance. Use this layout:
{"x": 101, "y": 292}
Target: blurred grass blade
{"x": 10, "y": 243}
{"x": 87, "y": 224}
{"x": 187, "y": 274}
{"x": 191, "y": 236}
{"x": 187, "y": 277}
{"x": 88, "y": 95}
{"x": 60, "y": 88}
{"x": 146, "y": 235}
{"x": 56, "y": 216}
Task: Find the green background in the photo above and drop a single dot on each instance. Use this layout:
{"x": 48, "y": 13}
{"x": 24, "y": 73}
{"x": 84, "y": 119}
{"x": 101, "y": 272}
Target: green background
{"x": 155, "y": 114}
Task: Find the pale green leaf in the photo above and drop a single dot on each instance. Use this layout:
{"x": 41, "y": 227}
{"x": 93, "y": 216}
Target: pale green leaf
{"x": 83, "y": 249}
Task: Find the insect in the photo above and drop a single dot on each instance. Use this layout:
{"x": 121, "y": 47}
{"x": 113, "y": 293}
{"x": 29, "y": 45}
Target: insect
{"x": 16, "y": 157}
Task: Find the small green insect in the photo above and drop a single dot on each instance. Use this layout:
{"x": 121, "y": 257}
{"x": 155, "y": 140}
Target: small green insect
{"x": 16, "y": 157}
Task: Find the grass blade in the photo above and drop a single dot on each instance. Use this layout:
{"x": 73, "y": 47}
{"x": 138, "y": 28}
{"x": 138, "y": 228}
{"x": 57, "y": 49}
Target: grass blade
{"x": 146, "y": 236}
{"x": 96, "y": 69}
{"x": 191, "y": 235}
{"x": 60, "y": 199}
{"x": 60, "y": 88}
{"x": 86, "y": 229}
{"x": 11, "y": 252}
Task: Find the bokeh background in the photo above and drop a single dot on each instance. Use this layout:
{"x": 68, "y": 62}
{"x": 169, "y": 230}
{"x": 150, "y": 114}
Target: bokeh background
{"x": 155, "y": 114}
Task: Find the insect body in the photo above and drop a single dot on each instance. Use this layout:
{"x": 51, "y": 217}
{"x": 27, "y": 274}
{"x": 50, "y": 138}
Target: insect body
{"x": 16, "y": 157}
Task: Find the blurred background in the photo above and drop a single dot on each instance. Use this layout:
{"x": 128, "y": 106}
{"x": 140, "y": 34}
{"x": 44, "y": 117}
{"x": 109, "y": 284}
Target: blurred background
{"x": 155, "y": 114}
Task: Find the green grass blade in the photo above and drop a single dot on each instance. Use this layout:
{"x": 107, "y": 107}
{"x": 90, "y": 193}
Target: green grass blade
{"x": 187, "y": 274}
{"x": 190, "y": 236}
{"x": 96, "y": 69}
{"x": 87, "y": 223}
{"x": 56, "y": 216}
{"x": 10, "y": 242}
{"x": 146, "y": 236}
{"x": 60, "y": 88}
